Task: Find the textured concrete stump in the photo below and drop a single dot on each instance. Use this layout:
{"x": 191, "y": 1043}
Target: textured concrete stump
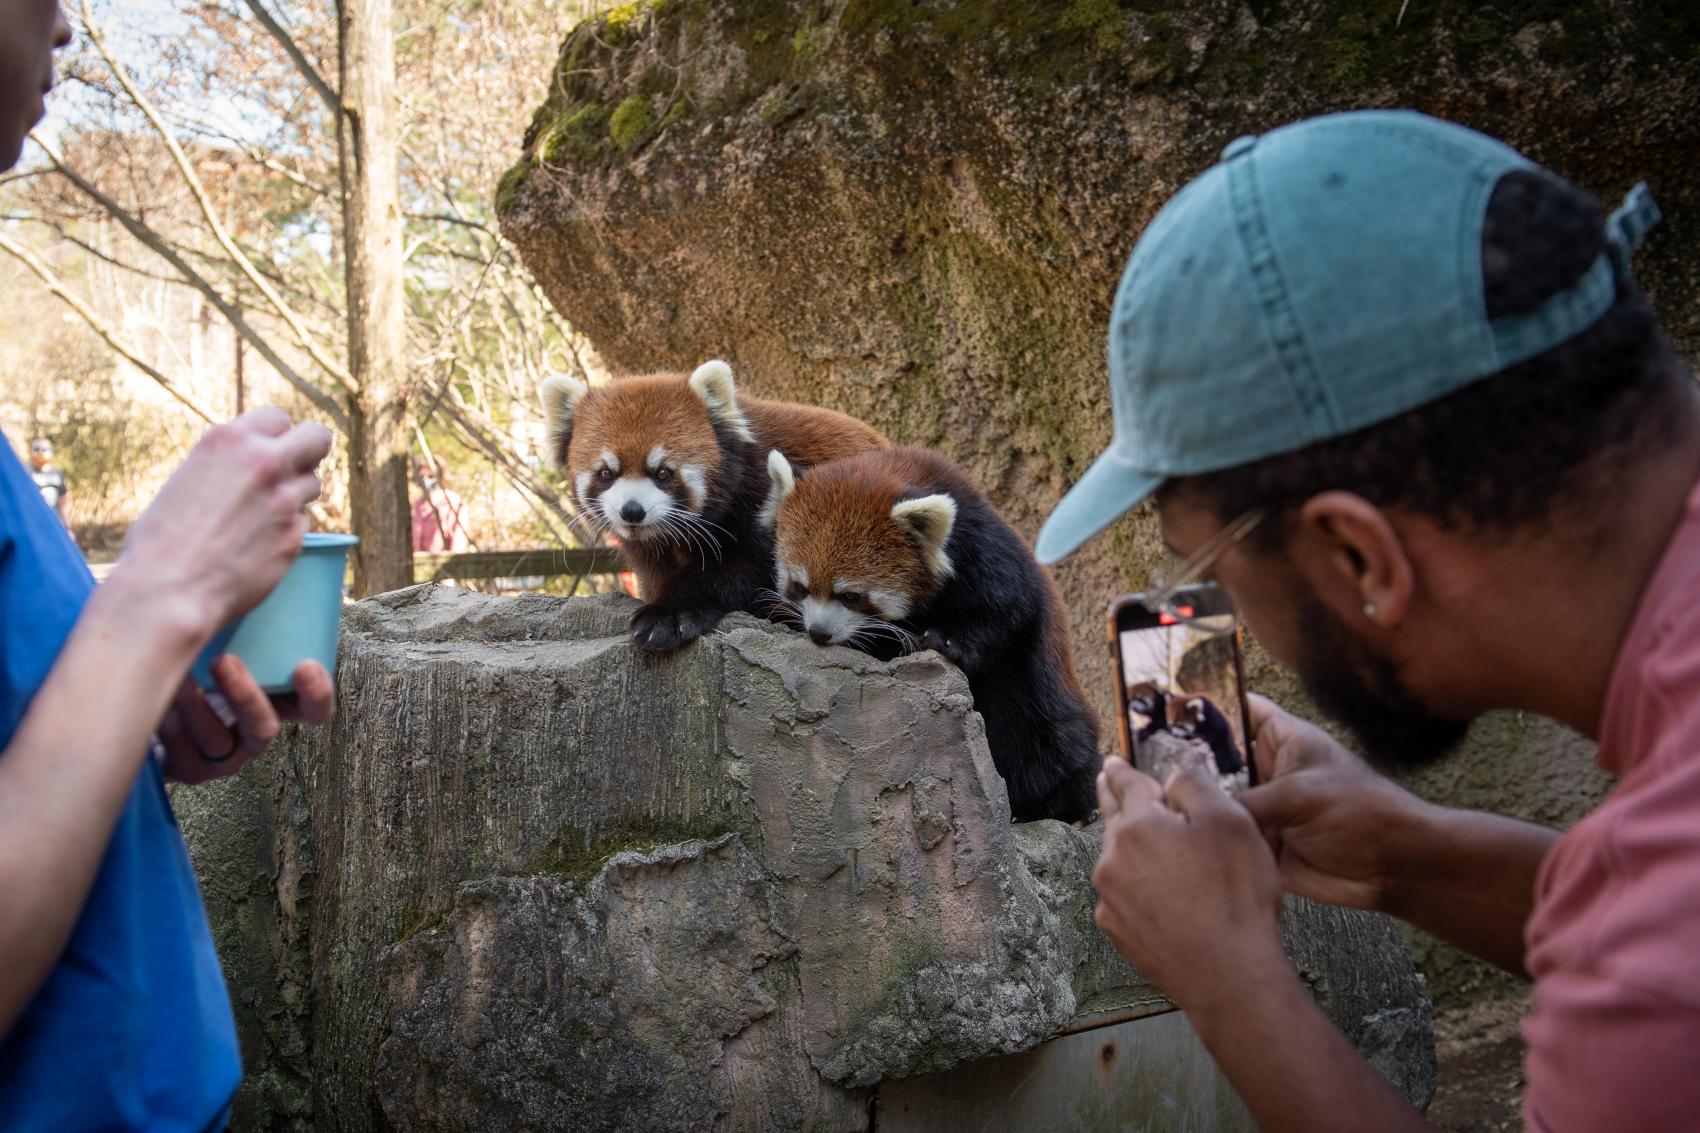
{"x": 531, "y": 879}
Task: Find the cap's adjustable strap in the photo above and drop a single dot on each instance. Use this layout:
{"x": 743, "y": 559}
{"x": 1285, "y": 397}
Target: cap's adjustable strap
{"x": 1628, "y": 226}
{"x": 1579, "y": 306}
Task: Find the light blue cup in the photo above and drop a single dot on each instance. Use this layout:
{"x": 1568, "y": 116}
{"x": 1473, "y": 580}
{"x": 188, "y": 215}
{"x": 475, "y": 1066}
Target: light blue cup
{"x": 298, "y": 621}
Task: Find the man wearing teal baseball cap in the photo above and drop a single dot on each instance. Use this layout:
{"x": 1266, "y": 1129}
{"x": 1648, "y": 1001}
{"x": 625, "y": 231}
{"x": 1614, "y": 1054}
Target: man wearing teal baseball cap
{"x": 1395, "y": 390}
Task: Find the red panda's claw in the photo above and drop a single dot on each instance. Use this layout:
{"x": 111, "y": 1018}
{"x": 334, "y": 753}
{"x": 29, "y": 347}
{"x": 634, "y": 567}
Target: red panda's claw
{"x": 933, "y": 639}
{"x": 657, "y": 629}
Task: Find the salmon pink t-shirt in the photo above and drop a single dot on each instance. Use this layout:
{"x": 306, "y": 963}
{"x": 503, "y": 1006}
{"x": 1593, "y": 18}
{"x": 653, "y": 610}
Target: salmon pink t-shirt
{"x": 1614, "y": 941}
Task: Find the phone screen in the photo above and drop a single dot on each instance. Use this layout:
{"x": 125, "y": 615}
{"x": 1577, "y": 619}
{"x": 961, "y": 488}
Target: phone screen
{"x": 1182, "y": 688}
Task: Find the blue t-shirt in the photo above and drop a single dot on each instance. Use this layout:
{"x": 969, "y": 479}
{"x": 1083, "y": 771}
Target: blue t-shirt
{"x": 133, "y": 1028}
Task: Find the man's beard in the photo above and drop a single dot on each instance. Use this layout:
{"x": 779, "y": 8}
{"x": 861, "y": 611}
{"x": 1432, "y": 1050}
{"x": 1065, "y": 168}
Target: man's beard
{"x": 1363, "y": 690}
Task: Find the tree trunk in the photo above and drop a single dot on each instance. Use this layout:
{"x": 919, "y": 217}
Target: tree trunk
{"x": 371, "y": 205}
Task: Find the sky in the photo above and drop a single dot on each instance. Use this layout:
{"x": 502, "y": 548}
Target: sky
{"x": 133, "y": 28}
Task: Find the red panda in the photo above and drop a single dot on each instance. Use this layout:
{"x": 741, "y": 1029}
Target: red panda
{"x": 674, "y": 468}
{"x": 888, "y": 550}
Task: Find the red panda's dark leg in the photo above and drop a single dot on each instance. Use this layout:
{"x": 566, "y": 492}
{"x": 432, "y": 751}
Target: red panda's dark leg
{"x": 972, "y": 646}
{"x": 691, "y": 600}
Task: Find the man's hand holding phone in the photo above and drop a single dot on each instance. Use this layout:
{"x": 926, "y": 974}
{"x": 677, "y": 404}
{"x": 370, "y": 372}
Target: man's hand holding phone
{"x": 1345, "y": 835}
{"x": 1336, "y": 825}
{"x": 1187, "y": 888}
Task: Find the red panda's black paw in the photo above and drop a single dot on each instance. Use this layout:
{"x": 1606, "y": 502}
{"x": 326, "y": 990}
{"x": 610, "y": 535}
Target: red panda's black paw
{"x": 657, "y": 629}
{"x": 933, "y": 639}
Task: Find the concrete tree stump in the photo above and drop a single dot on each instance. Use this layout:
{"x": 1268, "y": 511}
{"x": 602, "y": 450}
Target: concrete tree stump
{"x": 532, "y": 879}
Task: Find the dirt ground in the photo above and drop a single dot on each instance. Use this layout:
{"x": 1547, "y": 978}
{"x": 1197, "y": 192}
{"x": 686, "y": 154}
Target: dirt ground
{"x": 1480, "y": 1051}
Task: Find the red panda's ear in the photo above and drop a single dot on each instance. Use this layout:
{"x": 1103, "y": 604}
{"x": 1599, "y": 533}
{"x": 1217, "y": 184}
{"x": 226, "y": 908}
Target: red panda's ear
{"x": 560, "y": 396}
{"x": 712, "y": 381}
{"x": 928, "y": 521}
{"x": 781, "y": 480}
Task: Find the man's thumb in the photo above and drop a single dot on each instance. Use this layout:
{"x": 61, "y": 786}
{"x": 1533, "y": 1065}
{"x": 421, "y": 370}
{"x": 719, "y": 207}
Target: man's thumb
{"x": 1190, "y": 791}
{"x": 1279, "y": 803}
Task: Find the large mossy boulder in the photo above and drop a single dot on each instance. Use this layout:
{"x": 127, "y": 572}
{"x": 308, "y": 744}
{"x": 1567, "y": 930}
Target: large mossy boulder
{"x": 917, "y": 211}
{"x": 533, "y": 879}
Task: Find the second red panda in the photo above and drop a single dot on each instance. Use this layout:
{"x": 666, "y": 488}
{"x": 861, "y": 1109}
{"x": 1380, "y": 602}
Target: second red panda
{"x": 890, "y": 550}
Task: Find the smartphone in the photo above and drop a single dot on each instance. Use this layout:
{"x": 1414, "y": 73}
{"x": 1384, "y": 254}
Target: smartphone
{"x": 1180, "y": 687}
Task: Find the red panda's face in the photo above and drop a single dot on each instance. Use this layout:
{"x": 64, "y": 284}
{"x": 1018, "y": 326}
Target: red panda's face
{"x": 643, "y": 457}
{"x": 844, "y": 565}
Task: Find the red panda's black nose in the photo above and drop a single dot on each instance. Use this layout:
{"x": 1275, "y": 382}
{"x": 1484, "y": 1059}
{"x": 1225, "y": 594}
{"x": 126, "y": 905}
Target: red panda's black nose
{"x": 632, "y": 512}
{"x": 820, "y": 637}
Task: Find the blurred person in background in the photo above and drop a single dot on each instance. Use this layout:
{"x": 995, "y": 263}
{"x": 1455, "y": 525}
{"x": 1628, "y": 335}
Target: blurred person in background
{"x": 439, "y": 514}
{"x": 48, "y": 479}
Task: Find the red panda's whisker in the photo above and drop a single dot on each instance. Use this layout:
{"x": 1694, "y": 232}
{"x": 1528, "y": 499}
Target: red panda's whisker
{"x": 691, "y": 519}
{"x": 704, "y": 545}
{"x": 681, "y": 536}
{"x": 694, "y": 523}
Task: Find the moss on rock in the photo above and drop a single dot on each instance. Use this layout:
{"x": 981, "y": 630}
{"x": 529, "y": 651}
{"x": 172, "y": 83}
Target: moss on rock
{"x": 630, "y": 122}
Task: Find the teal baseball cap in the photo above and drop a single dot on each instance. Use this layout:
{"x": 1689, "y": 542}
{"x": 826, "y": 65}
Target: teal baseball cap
{"x": 1319, "y": 279}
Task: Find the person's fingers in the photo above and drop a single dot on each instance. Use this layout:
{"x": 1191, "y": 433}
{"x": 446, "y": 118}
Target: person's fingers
{"x": 1109, "y": 803}
{"x": 1262, "y": 709}
{"x": 308, "y": 489}
{"x": 306, "y": 445}
{"x": 1191, "y": 792}
{"x": 1267, "y": 721}
{"x": 1277, "y": 803}
{"x": 174, "y": 734}
{"x": 256, "y": 719}
{"x": 212, "y": 740}
{"x": 268, "y": 420}
{"x": 1130, "y": 786}
{"x": 314, "y": 699}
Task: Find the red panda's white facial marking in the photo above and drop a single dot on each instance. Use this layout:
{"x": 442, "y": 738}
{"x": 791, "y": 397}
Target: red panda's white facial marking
{"x": 643, "y": 452}
{"x": 636, "y": 506}
{"x": 846, "y": 609}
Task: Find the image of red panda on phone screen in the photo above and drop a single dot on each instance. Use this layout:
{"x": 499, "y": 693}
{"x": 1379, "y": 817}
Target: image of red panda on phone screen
{"x": 1180, "y": 686}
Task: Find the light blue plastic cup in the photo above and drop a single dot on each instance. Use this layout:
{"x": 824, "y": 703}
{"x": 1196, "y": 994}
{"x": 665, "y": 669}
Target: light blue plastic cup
{"x": 298, "y": 621}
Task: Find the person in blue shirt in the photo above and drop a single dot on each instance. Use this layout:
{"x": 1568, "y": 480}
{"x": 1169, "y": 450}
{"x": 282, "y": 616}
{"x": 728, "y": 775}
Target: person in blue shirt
{"x": 113, "y": 1012}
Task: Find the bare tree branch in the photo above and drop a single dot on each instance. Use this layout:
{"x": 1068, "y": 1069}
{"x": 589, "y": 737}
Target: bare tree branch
{"x": 99, "y": 325}
{"x": 65, "y": 234}
{"x": 284, "y": 311}
{"x": 325, "y": 403}
{"x": 297, "y": 56}
{"x": 466, "y": 419}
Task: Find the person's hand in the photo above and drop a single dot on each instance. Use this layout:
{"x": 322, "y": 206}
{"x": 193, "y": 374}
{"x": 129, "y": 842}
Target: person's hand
{"x": 1330, "y": 818}
{"x": 228, "y": 523}
{"x": 1187, "y": 887}
{"x": 199, "y": 746}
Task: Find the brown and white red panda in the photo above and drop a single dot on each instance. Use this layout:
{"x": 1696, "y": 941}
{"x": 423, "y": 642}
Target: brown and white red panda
{"x": 675, "y": 468}
{"x": 878, "y": 550}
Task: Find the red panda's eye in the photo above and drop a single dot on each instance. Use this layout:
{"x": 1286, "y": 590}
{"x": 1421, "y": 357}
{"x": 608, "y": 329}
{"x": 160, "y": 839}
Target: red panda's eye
{"x": 606, "y": 475}
{"x": 796, "y": 591}
{"x": 850, "y": 598}
{"x": 662, "y": 475}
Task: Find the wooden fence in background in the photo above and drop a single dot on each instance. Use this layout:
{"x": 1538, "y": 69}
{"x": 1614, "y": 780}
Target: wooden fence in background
{"x": 534, "y": 562}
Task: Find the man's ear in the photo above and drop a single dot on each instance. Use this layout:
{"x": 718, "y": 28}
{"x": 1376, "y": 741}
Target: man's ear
{"x": 712, "y": 381}
{"x": 781, "y": 482}
{"x": 928, "y": 521}
{"x": 560, "y": 396}
{"x": 1362, "y": 556}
